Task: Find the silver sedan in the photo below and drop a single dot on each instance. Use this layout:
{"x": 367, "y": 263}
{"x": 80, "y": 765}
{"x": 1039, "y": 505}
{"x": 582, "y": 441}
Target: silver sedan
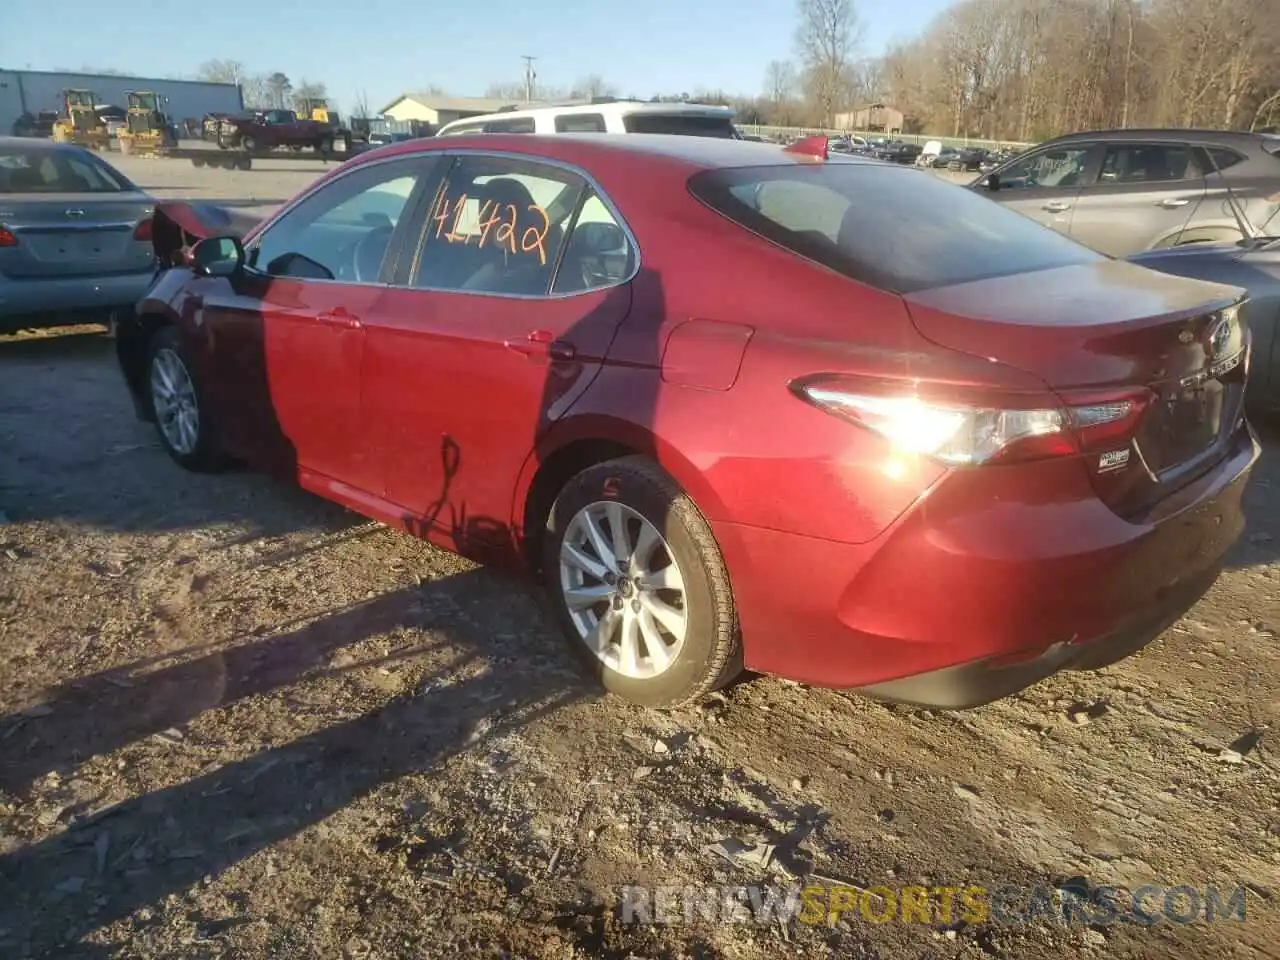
{"x": 75, "y": 236}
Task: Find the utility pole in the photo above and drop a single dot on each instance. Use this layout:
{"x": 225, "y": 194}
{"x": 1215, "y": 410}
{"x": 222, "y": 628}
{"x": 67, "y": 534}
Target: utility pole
{"x": 529, "y": 77}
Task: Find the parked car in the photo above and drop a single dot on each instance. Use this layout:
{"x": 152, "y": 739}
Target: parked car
{"x": 912, "y": 443}
{"x": 75, "y": 236}
{"x": 943, "y": 160}
{"x": 268, "y": 129}
{"x": 1124, "y": 191}
{"x": 967, "y": 159}
{"x": 1253, "y": 264}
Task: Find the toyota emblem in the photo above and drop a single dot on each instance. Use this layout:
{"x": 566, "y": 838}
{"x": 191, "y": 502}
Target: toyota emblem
{"x": 1219, "y": 337}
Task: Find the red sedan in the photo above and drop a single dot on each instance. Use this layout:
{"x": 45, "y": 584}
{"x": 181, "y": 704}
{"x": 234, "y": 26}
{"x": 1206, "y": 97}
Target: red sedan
{"x": 830, "y": 419}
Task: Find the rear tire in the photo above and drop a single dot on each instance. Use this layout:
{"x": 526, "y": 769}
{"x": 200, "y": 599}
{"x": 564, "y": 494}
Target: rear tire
{"x": 178, "y": 405}
{"x": 658, "y": 628}
{"x": 324, "y": 145}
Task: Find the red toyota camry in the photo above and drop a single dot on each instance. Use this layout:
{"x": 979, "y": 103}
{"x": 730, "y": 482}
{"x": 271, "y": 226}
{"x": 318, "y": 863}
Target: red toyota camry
{"x": 737, "y": 405}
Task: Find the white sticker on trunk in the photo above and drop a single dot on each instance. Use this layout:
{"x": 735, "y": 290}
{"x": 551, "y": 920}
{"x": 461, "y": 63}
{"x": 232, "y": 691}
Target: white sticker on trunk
{"x": 1113, "y": 460}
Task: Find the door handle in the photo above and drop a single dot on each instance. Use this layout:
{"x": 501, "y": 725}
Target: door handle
{"x": 1173, "y": 202}
{"x": 1057, "y": 206}
{"x": 542, "y": 344}
{"x": 340, "y": 317}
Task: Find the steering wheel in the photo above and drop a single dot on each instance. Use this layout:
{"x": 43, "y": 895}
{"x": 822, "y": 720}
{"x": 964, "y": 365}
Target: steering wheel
{"x": 370, "y": 250}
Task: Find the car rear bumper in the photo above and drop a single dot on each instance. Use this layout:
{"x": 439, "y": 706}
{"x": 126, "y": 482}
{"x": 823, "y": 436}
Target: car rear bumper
{"x": 985, "y": 586}
{"x": 58, "y": 300}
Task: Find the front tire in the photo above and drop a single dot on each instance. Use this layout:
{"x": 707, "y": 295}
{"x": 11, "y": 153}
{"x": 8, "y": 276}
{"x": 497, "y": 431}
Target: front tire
{"x": 180, "y": 413}
{"x": 638, "y": 584}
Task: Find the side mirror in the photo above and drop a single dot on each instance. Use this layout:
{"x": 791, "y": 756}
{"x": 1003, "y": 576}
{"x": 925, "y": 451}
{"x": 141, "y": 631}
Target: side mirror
{"x": 991, "y": 181}
{"x": 218, "y": 257}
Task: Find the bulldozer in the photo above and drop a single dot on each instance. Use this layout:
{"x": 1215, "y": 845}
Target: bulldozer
{"x": 148, "y": 133}
{"x": 81, "y": 125}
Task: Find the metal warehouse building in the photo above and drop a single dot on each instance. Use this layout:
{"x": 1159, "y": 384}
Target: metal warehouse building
{"x": 30, "y": 91}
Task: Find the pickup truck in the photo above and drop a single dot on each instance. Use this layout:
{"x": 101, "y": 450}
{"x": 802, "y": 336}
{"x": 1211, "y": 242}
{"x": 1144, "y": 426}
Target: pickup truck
{"x": 267, "y": 129}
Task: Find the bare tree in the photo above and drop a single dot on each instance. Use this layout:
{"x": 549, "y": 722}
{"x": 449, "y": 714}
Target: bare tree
{"x": 278, "y": 88}
{"x": 360, "y": 105}
{"x": 307, "y": 90}
{"x": 826, "y": 37}
{"x": 223, "y": 71}
{"x": 592, "y": 86}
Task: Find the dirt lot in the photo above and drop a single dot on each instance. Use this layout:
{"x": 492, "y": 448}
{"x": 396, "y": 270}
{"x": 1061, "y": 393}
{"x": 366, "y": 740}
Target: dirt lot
{"x": 238, "y": 721}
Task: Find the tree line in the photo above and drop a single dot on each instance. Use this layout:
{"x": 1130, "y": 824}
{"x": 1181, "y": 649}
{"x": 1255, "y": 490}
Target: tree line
{"x": 1014, "y": 70}
{"x": 1027, "y": 70}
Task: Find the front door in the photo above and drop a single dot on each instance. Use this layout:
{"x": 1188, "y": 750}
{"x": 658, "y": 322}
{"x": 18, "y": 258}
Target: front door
{"x": 1044, "y": 185}
{"x": 1143, "y": 196}
{"x": 496, "y": 327}
{"x": 287, "y": 335}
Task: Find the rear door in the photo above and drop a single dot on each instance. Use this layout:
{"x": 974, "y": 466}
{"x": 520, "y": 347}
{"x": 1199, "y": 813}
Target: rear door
{"x": 498, "y": 324}
{"x": 1143, "y": 196}
{"x": 1043, "y": 185}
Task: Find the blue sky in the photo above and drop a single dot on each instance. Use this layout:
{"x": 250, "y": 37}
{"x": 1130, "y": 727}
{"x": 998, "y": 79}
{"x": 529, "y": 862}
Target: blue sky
{"x": 387, "y": 47}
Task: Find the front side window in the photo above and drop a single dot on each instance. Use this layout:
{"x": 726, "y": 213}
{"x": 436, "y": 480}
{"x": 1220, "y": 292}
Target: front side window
{"x": 344, "y": 230}
{"x": 1146, "y": 163}
{"x": 514, "y": 125}
{"x": 886, "y": 226}
{"x": 497, "y": 226}
{"x": 1058, "y": 167}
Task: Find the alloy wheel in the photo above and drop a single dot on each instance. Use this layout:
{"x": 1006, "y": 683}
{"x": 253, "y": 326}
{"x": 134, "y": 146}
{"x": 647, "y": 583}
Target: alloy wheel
{"x": 623, "y": 589}
{"x": 173, "y": 397}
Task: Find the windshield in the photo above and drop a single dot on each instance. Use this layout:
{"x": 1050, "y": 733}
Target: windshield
{"x": 886, "y": 226}
{"x": 684, "y": 124}
{"x": 43, "y": 170}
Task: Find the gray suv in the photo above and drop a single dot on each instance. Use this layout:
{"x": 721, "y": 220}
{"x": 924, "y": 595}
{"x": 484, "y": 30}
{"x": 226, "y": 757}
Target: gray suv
{"x": 1124, "y": 191}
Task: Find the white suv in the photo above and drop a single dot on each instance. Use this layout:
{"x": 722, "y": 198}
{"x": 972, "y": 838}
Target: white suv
{"x": 603, "y": 116}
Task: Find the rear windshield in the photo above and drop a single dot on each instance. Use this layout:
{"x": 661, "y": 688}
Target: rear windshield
{"x": 689, "y": 125}
{"x": 56, "y": 171}
{"x": 893, "y": 228}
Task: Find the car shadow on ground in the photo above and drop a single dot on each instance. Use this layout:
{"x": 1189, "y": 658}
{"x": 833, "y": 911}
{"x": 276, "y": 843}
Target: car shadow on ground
{"x": 165, "y": 841}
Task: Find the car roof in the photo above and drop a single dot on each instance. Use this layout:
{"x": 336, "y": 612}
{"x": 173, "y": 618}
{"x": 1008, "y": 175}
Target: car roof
{"x": 1161, "y": 133}
{"x": 694, "y": 152}
{"x": 623, "y": 107}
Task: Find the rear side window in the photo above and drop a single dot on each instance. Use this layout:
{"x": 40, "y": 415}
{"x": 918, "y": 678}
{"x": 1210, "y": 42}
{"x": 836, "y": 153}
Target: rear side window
{"x": 1222, "y": 158}
{"x": 1147, "y": 163}
{"x": 1271, "y": 144}
{"x": 682, "y": 124}
{"x": 885, "y": 226}
{"x": 515, "y": 125}
{"x": 580, "y": 123}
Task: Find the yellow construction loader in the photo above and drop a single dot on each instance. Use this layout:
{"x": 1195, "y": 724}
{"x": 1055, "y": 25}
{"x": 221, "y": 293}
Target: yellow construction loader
{"x": 81, "y": 125}
{"x": 147, "y": 133}
{"x": 313, "y": 108}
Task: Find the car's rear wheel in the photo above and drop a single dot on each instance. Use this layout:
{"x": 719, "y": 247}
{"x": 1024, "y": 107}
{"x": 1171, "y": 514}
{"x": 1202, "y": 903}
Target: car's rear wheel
{"x": 637, "y": 580}
{"x": 325, "y": 145}
{"x": 180, "y": 415}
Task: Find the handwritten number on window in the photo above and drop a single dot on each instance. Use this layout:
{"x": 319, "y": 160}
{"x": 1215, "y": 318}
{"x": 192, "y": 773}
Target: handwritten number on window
{"x": 510, "y": 228}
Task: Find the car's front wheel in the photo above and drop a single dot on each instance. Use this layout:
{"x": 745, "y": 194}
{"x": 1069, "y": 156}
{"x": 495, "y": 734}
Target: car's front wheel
{"x": 639, "y": 585}
{"x": 185, "y": 431}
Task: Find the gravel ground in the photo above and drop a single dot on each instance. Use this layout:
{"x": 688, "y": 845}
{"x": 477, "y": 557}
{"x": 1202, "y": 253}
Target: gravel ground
{"x": 237, "y": 721}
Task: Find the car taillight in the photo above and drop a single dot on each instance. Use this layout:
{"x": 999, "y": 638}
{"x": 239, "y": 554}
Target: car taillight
{"x": 7, "y": 239}
{"x": 143, "y": 230}
{"x": 971, "y": 433}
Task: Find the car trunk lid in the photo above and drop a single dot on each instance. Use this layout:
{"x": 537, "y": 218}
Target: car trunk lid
{"x": 63, "y": 235}
{"x": 1172, "y": 347}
